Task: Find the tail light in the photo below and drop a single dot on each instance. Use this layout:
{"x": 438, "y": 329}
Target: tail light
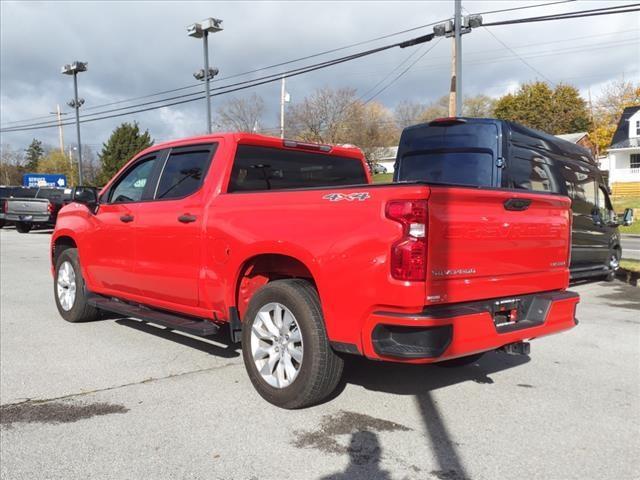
{"x": 50, "y": 208}
{"x": 409, "y": 254}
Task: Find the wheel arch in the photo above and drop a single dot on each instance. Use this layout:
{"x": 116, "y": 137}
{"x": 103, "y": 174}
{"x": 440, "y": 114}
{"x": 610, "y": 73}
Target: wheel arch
{"x": 260, "y": 269}
{"x": 59, "y": 245}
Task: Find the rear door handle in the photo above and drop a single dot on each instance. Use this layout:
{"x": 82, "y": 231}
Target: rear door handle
{"x": 186, "y": 218}
{"x": 126, "y": 218}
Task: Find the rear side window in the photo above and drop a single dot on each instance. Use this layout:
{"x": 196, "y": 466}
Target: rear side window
{"x": 530, "y": 174}
{"x": 263, "y": 168}
{"x": 184, "y": 172}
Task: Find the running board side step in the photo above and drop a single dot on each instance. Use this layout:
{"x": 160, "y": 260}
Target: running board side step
{"x": 191, "y": 325}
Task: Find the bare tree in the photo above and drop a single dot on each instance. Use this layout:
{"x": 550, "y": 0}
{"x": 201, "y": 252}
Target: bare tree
{"x": 11, "y": 166}
{"x": 242, "y": 114}
{"x": 340, "y": 117}
{"x": 408, "y": 113}
{"x": 480, "y": 106}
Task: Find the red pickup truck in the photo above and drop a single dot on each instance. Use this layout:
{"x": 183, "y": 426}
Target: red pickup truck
{"x": 292, "y": 248}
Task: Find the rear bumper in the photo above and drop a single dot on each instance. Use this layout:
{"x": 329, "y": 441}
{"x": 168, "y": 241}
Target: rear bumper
{"x": 28, "y": 218}
{"x": 442, "y": 333}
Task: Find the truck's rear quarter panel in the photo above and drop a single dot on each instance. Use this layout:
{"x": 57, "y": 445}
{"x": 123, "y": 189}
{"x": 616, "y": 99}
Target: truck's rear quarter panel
{"x": 345, "y": 243}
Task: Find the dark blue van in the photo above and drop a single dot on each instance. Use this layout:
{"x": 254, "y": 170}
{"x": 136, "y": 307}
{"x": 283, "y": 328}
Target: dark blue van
{"x": 496, "y": 153}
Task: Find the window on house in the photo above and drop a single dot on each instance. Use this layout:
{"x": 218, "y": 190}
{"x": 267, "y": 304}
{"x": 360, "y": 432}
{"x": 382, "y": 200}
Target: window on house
{"x": 637, "y": 128}
{"x": 634, "y": 160}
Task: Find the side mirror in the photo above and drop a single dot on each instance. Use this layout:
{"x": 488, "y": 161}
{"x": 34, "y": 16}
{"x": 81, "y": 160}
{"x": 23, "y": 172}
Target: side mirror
{"x": 627, "y": 217}
{"x": 87, "y": 196}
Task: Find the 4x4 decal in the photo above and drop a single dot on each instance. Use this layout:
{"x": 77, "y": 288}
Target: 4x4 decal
{"x": 349, "y": 197}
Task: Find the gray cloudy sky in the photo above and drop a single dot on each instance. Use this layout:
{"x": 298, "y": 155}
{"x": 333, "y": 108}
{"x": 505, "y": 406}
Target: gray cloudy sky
{"x": 138, "y": 48}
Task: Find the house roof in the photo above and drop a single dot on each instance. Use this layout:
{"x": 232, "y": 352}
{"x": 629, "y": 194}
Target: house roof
{"x": 573, "y": 137}
{"x": 621, "y": 135}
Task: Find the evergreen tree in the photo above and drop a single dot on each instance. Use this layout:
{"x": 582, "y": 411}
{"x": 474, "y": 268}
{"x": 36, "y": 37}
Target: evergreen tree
{"x": 33, "y": 155}
{"x": 125, "y": 142}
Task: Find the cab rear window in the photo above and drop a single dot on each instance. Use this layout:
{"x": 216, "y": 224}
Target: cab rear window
{"x": 263, "y": 168}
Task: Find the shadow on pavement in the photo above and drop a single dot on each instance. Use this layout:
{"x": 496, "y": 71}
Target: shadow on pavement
{"x": 420, "y": 381}
{"x": 364, "y": 459}
{"x": 403, "y": 379}
{"x": 225, "y": 349}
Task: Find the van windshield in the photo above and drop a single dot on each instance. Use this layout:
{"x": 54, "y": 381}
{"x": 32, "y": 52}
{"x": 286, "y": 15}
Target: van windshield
{"x": 454, "y": 168}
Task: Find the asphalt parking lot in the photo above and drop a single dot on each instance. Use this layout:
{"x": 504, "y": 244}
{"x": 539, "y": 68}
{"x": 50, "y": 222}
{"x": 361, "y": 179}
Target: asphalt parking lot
{"x": 122, "y": 399}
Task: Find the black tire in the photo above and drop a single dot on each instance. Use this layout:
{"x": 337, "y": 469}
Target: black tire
{"x": 460, "y": 361}
{"x": 613, "y": 263}
{"x": 80, "y": 311}
{"x": 23, "y": 227}
{"x": 2, "y": 223}
{"x": 320, "y": 370}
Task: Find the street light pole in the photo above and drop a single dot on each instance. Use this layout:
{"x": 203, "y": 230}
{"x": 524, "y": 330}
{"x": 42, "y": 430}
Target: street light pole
{"x": 458, "y": 56}
{"x": 202, "y": 30}
{"x": 73, "y": 69}
{"x": 77, "y": 108}
{"x": 205, "y": 40}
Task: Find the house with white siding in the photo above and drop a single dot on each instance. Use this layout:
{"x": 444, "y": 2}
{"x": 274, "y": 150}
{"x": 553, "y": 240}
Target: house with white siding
{"x": 623, "y": 159}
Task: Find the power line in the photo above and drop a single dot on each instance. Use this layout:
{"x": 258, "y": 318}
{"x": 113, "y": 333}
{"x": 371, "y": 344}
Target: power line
{"x": 565, "y": 16}
{"x": 267, "y": 79}
{"x": 239, "y": 86}
{"x": 268, "y": 67}
{"x": 516, "y": 54}
{"x": 399, "y": 76}
{"x": 524, "y": 7}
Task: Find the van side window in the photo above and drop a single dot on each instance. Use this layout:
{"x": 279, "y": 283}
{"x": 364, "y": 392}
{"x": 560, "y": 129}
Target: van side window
{"x": 581, "y": 187}
{"x": 604, "y": 206}
{"x": 530, "y": 174}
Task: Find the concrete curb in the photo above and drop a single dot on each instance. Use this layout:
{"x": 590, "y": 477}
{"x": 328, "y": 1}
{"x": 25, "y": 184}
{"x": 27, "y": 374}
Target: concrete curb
{"x": 628, "y": 276}
{"x": 631, "y": 235}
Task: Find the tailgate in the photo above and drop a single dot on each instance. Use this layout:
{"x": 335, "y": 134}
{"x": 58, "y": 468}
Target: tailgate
{"x": 27, "y": 206}
{"x": 495, "y": 243}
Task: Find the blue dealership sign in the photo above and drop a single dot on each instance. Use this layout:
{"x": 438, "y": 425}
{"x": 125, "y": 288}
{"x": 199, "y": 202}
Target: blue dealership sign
{"x": 44, "y": 180}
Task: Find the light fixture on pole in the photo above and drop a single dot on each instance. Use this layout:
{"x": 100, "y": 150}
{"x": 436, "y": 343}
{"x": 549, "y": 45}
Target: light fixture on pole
{"x": 202, "y": 30}
{"x": 73, "y": 69}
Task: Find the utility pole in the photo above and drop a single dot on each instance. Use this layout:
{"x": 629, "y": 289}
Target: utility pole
{"x": 456, "y": 28}
{"x": 284, "y": 98}
{"x": 73, "y": 69}
{"x": 202, "y": 30}
{"x": 454, "y": 83}
{"x": 60, "y": 134}
{"x": 282, "y": 93}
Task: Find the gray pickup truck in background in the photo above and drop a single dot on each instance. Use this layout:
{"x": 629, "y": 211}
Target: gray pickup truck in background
{"x": 39, "y": 209}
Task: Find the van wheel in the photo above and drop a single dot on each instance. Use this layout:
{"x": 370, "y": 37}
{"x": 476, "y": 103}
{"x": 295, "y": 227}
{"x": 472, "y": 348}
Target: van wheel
{"x": 460, "y": 361}
{"x": 69, "y": 291}
{"x": 614, "y": 263}
{"x": 23, "y": 227}
{"x": 285, "y": 347}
